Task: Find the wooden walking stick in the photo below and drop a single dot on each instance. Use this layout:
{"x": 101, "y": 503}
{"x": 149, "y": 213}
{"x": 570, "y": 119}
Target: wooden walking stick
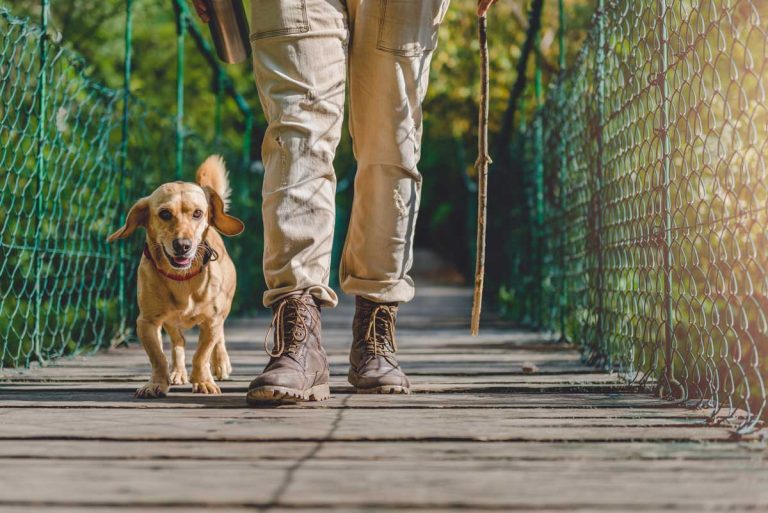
{"x": 481, "y": 164}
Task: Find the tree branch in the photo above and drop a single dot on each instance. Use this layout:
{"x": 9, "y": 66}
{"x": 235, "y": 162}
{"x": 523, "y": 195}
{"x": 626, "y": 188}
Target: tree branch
{"x": 534, "y": 25}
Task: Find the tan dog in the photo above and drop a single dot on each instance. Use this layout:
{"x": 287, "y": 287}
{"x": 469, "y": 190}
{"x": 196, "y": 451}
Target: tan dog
{"x": 185, "y": 277}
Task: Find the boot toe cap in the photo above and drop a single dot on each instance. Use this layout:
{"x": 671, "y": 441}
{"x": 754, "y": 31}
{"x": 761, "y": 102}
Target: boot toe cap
{"x": 276, "y": 379}
{"x": 369, "y": 378}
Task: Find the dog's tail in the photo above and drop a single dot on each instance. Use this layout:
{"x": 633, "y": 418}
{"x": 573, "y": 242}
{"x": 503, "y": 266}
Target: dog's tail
{"x": 213, "y": 173}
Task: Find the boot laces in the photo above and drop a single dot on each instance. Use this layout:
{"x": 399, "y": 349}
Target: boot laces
{"x": 380, "y": 336}
{"x": 287, "y": 319}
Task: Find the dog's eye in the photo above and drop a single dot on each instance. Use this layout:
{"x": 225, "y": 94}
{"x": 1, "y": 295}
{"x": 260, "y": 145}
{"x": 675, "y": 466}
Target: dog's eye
{"x": 165, "y": 215}
{"x": 197, "y": 214}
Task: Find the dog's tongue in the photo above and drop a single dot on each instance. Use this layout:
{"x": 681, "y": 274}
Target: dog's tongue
{"x": 181, "y": 261}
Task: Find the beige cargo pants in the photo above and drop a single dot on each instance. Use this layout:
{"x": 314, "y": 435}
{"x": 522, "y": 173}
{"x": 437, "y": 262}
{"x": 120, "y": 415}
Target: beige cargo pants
{"x": 303, "y": 53}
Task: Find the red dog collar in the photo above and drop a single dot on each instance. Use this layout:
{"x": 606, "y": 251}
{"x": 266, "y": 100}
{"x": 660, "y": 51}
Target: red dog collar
{"x": 177, "y": 277}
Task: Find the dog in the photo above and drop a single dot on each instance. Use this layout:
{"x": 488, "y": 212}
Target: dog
{"x": 185, "y": 278}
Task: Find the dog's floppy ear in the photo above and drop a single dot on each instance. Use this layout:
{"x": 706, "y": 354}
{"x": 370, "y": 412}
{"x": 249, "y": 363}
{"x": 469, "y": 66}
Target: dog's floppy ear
{"x": 137, "y": 216}
{"x": 223, "y": 222}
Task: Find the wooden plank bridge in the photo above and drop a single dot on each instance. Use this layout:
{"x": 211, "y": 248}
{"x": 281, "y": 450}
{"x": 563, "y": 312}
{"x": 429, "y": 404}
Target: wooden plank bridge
{"x": 477, "y": 434}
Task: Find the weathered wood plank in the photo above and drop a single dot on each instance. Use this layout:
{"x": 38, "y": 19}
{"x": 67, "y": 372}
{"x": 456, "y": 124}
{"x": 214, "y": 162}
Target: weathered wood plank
{"x": 351, "y": 424}
{"x": 524, "y": 404}
{"x": 753, "y": 454}
{"x": 329, "y": 483}
{"x": 248, "y": 507}
{"x": 341, "y": 387}
{"x": 579, "y": 378}
{"x": 249, "y": 364}
{"x": 181, "y": 397}
{"x": 255, "y": 356}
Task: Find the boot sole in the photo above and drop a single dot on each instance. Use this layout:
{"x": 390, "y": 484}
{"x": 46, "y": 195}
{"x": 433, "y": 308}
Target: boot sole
{"x": 275, "y": 394}
{"x": 385, "y": 389}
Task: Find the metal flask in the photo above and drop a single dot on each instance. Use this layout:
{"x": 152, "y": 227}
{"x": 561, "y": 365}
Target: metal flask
{"x": 229, "y": 29}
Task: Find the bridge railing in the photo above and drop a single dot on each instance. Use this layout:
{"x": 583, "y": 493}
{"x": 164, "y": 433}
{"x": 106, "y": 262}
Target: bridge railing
{"x": 642, "y": 226}
{"x": 74, "y": 155}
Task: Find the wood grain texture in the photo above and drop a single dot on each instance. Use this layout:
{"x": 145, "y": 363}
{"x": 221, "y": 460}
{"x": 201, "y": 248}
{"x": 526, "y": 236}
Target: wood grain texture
{"x": 477, "y": 435}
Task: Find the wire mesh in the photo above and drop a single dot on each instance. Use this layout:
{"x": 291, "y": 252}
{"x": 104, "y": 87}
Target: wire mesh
{"x": 653, "y": 244}
{"x": 68, "y": 171}
{"x": 57, "y": 130}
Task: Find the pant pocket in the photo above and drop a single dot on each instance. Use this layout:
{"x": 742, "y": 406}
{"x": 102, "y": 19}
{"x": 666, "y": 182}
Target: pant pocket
{"x": 409, "y": 27}
{"x": 278, "y": 17}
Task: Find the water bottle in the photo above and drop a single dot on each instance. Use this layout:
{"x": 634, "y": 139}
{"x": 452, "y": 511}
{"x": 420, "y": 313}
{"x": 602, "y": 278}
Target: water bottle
{"x": 229, "y": 29}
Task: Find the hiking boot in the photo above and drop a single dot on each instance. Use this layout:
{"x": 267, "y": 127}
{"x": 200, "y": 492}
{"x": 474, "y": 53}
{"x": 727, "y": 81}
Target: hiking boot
{"x": 298, "y": 367}
{"x": 374, "y": 369}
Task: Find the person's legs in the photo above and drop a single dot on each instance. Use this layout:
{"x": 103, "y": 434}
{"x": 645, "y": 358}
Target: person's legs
{"x": 392, "y": 45}
{"x": 300, "y": 66}
{"x": 389, "y": 59}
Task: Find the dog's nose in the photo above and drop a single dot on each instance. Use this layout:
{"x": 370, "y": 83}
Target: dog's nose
{"x": 182, "y": 246}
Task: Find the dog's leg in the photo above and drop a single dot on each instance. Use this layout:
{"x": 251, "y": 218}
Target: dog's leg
{"x": 149, "y": 334}
{"x": 220, "y": 364}
{"x": 202, "y": 379}
{"x": 178, "y": 363}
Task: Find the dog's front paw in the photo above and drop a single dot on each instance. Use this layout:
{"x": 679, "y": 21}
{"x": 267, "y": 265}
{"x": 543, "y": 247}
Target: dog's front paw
{"x": 205, "y": 387}
{"x": 179, "y": 377}
{"x": 220, "y": 365}
{"x": 151, "y": 390}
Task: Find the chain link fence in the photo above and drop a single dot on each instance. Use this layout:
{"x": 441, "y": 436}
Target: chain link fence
{"x": 74, "y": 155}
{"x": 641, "y": 229}
{"x": 636, "y": 194}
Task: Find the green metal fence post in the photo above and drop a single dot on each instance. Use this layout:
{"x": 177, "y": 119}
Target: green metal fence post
{"x": 561, "y": 176}
{"x": 538, "y": 185}
{"x": 122, "y": 304}
{"x": 668, "y": 386}
{"x": 181, "y": 32}
{"x": 561, "y": 36}
{"x": 598, "y": 181}
{"x": 40, "y": 172}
